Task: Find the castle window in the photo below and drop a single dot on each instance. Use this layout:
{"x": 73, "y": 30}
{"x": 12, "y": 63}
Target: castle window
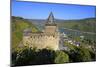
{"x": 30, "y": 36}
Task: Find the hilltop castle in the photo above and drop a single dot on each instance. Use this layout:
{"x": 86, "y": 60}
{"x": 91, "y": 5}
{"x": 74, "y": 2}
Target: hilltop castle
{"x": 48, "y": 39}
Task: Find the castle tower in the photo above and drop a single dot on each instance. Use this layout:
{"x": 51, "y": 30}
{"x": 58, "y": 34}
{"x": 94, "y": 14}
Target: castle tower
{"x": 48, "y": 39}
{"x": 50, "y": 25}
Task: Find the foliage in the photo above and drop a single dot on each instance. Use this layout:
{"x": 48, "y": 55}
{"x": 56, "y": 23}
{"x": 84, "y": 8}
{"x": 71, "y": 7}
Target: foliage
{"x": 88, "y": 41}
{"x": 83, "y": 55}
{"x": 61, "y": 57}
{"x": 37, "y": 57}
{"x": 31, "y": 57}
{"x": 80, "y": 54}
{"x": 93, "y": 55}
{"x": 18, "y": 25}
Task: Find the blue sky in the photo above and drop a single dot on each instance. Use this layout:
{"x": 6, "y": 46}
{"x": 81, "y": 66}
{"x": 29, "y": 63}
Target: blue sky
{"x": 32, "y": 10}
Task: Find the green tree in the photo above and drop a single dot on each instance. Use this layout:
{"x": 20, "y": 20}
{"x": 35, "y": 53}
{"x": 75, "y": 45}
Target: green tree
{"x": 61, "y": 57}
{"x": 33, "y": 57}
{"x": 84, "y": 55}
{"x": 80, "y": 54}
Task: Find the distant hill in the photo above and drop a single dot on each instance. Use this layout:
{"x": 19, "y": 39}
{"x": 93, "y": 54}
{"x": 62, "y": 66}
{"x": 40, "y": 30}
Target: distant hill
{"x": 18, "y": 24}
{"x": 86, "y": 25}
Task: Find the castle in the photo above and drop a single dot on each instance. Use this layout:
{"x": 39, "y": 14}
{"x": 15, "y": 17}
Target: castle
{"x": 48, "y": 39}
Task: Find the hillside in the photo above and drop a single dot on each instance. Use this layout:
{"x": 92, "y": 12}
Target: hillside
{"x": 82, "y": 27}
{"x": 18, "y": 24}
{"x": 86, "y": 25}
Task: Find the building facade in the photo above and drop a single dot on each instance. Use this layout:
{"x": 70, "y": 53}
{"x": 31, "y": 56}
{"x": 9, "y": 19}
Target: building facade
{"x": 48, "y": 39}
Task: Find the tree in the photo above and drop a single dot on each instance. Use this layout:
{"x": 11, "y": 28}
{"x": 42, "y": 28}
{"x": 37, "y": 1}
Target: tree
{"x": 45, "y": 56}
{"x": 84, "y": 55}
{"x": 76, "y": 27}
{"x": 80, "y": 54}
{"x": 30, "y": 56}
{"x": 93, "y": 55}
{"x": 61, "y": 57}
{"x": 13, "y": 57}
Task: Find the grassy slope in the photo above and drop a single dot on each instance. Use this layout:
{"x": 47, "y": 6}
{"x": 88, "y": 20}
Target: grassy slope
{"x": 18, "y": 25}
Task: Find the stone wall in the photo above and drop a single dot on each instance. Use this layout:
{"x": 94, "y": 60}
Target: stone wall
{"x": 42, "y": 40}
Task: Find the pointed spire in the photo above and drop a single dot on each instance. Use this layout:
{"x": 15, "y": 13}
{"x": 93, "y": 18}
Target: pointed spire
{"x": 50, "y": 19}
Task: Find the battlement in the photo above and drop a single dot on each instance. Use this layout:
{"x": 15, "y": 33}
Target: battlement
{"x": 41, "y": 34}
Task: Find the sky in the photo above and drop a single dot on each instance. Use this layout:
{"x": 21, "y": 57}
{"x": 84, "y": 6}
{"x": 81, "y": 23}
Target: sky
{"x": 34, "y": 10}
